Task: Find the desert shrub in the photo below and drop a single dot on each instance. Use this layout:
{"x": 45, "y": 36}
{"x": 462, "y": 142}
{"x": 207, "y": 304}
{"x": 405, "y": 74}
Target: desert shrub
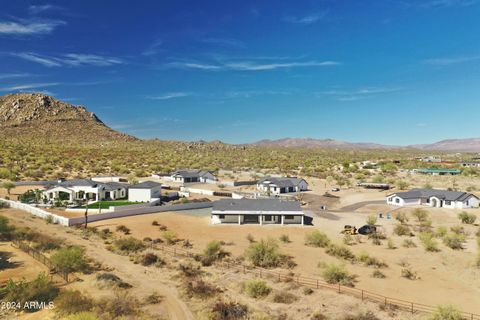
{"x": 189, "y": 270}
{"x": 39, "y": 241}
{"x": 391, "y": 244}
{"x": 317, "y": 239}
{"x": 447, "y": 312}
{"x": 318, "y": 316}
{"x": 120, "y": 306}
{"x": 155, "y": 223}
{"x": 250, "y": 238}
{"x": 402, "y": 184}
{"x": 369, "y": 261}
{"x": 366, "y": 315}
{"x": 408, "y": 243}
{"x": 147, "y": 239}
{"x": 378, "y": 274}
{"x": 402, "y": 217}
{"x": 420, "y": 214}
{"x": 285, "y": 238}
{"x": 200, "y": 288}
{"x": 265, "y": 253}
{"x": 212, "y": 253}
{"x": 229, "y": 311}
{"x": 340, "y": 251}
{"x": 122, "y": 228}
{"x": 153, "y": 298}
{"x": 129, "y": 244}
{"x": 307, "y": 291}
{"x": 457, "y": 229}
{"x": 441, "y": 231}
{"x": 149, "y": 259}
{"x": 169, "y": 236}
{"x": 337, "y": 274}
{"x": 84, "y": 315}
{"x": 408, "y": 273}
{"x": 348, "y": 239}
{"x": 111, "y": 280}
{"x": 468, "y": 218}
{"x": 284, "y": 297}
{"x": 49, "y": 219}
{"x": 4, "y": 205}
{"x": 428, "y": 241}
{"x": 72, "y": 301}
{"x": 105, "y": 233}
{"x": 401, "y": 230}
{"x": 454, "y": 241}
{"x": 371, "y": 220}
{"x": 41, "y": 290}
{"x": 6, "y": 229}
{"x": 70, "y": 259}
{"x": 256, "y": 288}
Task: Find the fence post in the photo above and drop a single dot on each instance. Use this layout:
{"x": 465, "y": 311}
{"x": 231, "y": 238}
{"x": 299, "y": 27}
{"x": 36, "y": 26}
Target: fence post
{"x": 174, "y": 252}
{"x": 339, "y": 290}
{"x": 362, "y": 295}
{"x": 385, "y": 301}
{"x": 317, "y": 283}
{"x": 412, "y": 307}
{"x": 260, "y": 273}
{"x": 243, "y": 269}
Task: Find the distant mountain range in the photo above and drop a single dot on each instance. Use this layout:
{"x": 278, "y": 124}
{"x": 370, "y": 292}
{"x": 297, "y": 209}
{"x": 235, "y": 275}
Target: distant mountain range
{"x": 457, "y": 145}
{"x": 36, "y": 117}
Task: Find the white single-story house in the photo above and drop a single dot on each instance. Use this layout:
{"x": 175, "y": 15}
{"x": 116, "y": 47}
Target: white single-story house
{"x": 85, "y": 189}
{"x": 192, "y": 175}
{"x": 147, "y": 191}
{"x": 257, "y": 211}
{"x": 276, "y": 186}
{"x": 434, "y": 198}
{"x": 474, "y": 164}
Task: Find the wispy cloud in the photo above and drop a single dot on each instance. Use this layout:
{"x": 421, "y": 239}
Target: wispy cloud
{"x": 36, "y": 9}
{"x": 432, "y": 4}
{"x": 153, "y": 48}
{"x": 29, "y": 27}
{"x": 253, "y": 93}
{"x": 226, "y": 42}
{"x": 29, "y": 86}
{"x": 70, "y": 59}
{"x": 452, "y": 60}
{"x": 308, "y": 19}
{"x": 249, "y": 65}
{"x": 170, "y": 95}
{"x": 14, "y": 75}
{"x": 358, "y": 94}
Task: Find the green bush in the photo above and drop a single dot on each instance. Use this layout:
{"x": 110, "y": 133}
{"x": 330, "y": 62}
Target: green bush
{"x": 371, "y": 220}
{"x": 72, "y": 301}
{"x": 401, "y": 230}
{"x": 6, "y": 229}
{"x": 83, "y": 316}
{"x": 41, "y": 290}
{"x": 129, "y": 244}
{"x": 447, "y": 312}
{"x": 317, "y": 239}
{"x": 402, "y": 217}
{"x": 428, "y": 241}
{"x": 454, "y": 241}
{"x": 265, "y": 253}
{"x": 420, "y": 214}
{"x": 285, "y": 238}
{"x": 337, "y": 274}
{"x": 340, "y": 251}
{"x": 169, "y": 236}
{"x": 369, "y": 261}
{"x": 468, "y": 218}
{"x": 256, "y": 288}
{"x": 71, "y": 259}
{"x": 212, "y": 253}
{"x": 441, "y": 231}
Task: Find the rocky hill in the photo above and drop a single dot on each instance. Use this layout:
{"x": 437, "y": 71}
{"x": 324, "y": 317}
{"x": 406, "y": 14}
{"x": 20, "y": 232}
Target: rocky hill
{"x": 320, "y": 143}
{"x": 36, "y": 117}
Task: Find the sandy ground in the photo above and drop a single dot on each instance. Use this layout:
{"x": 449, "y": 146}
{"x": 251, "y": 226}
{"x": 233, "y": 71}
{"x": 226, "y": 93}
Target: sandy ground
{"x": 445, "y": 277}
{"x": 27, "y": 267}
{"x": 17, "y": 191}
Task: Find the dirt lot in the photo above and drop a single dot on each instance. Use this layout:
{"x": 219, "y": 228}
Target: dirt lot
{"x": 445, "y": 277}
{"x": 23, "y": 265}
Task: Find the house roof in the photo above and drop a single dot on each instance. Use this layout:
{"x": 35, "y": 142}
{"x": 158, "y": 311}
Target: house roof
{"x": 72, "y": 183}
{"x": 145, "y": 185}
{"x": 434, "y": 170}
{"x": 256, "y": 205}
{"x": 190, "y": 173}
{"x": 428, "y": 193}
{"x": 282, "y": 182}
{"x": 110, "y": 186}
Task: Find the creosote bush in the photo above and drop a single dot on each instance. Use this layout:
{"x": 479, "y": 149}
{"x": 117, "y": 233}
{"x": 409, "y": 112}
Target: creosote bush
{"x": 129, "y": 244}
{"x": 212, "y": 253}
{"x": 229, "y": 311}
{"x": 340, "y": 251}
{"x": 428, "y": 241}
{"x": 468, "y": 218}
{"x": 337, "y": 274}
{"x": 124, "y": 229}
{"x": 408, "y": 243}
{"x": 401, "y": 230}
{"x": 317, "y": 239}
{"x": 265, "y": 253}
{"x": 169, "y": 236}
{"x": 72, "y": 301}
{"x": 420, "y": 214}
{"x": 447, "y": 312}
{"x": 70, "y": 259}
{"x": 371, "y": 220}
{"x": 256, "y": 288}
{"x": 284, "y": 297}
{"x": 454, "y": 241}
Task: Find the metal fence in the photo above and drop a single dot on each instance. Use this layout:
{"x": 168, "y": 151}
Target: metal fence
{"x": 37, "y": 255}
{"x": 315, "y": 283}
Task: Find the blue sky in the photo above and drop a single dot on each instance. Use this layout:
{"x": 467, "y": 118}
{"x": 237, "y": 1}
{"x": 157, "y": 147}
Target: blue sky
{"x": 391, "y": 71}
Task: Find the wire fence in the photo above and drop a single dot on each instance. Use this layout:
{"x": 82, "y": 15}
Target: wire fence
{"x": 37, "y": 255}
{"x": 364, "y": 295}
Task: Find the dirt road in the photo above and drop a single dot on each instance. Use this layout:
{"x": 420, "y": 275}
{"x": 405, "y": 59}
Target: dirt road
{"x": 145, "y": 281}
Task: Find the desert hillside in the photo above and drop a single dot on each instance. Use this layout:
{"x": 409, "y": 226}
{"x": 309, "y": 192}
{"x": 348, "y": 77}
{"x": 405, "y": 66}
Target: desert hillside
{"x": 38, "y": 117}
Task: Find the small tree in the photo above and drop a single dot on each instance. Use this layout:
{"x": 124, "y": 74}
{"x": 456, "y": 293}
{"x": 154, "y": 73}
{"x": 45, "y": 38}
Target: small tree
{"x": 265, "y": 253}
{"x": 70, "y": 259}
{"x": 420, "y": 214}
{"x": 447, "y": 312}
{"x": 256, "y": 288}
{"x": 402, "y": 184}
{"x": 429, "y": 243}
{"x": 371, "y": 220}
{"x": 8, "y": 185}
{"x": 402, "y": 217}
{"x": 467, "y": 218}
{"x": 337, "y": 274}
{"x": 317, "y": 239}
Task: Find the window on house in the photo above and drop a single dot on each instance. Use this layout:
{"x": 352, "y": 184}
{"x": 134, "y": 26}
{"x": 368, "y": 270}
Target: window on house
{"x": 428, "y": 200}
{"x": 397, "y": 200}
{"x": 289, "y": 217}
{"x": 447, "y": 202}
{"x": 268, "y": 218}
{"x": 221, "y": 216}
